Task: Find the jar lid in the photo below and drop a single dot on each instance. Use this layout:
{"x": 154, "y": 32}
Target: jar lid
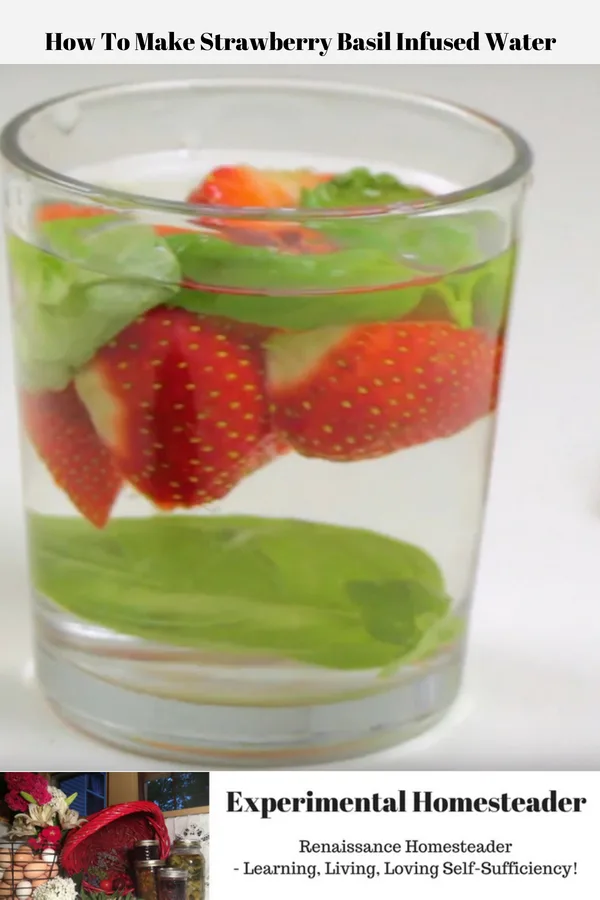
{"x": 150, "y": 843}
{"x": 149, "y": 863}
{"x": 187, "y": 842}
{"x": 178, "y": 874}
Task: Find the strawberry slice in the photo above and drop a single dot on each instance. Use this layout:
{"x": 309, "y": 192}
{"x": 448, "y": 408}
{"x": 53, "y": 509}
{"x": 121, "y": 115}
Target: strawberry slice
{"x": 167, "y": 230}
{"x": 52, "y": 211}
{"x": 179, "y": 400}
{"x": 246, "y": 186}
{"x": 358, "y": 393}
{"x": 60, "y": 429}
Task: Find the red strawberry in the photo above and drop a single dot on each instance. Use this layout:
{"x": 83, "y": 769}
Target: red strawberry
{"x": 245, "y": 186}
{"x": 166, "y": 230}
{"x": 358, "y": 393}
{"x": 179, "y": 400}
{"x": 51, "y": 211}
{"x": 61, "y": 431}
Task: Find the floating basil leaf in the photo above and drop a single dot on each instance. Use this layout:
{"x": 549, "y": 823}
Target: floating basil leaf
{"x": 361, "y": 187}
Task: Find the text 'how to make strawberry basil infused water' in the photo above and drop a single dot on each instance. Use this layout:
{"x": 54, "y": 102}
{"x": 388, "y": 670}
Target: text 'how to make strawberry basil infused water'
{"x": 259, "y": 330}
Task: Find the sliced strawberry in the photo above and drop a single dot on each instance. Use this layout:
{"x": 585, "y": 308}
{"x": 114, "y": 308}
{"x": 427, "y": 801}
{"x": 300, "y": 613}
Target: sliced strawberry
{"x": 60, "y": 429}
{"x": 179, "y": 399}
{"x": 245, "y": 186}
{"x": 52, "y": 211}
{"x": 166, "y": 230}
{"x": 358, "y": 393}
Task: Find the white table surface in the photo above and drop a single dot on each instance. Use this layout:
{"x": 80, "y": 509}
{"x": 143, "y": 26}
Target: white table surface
{"x": 532, "y": 692}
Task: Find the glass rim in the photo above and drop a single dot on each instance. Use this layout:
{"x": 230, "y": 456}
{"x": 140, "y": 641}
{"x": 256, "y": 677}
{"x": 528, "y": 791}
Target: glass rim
{"x": 518, "y": 168}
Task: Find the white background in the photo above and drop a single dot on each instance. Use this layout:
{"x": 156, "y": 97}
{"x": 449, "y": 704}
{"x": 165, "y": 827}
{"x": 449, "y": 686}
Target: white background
{"x": 539, "y": 838}
{"x": 533, "y": 680}
{"x": 22, "y": 39}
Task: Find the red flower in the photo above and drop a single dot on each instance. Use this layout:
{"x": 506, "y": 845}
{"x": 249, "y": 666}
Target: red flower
{"x": 39, "y": 790}
{"x": 41, "y": 795}
{"x": 16, "y": 802}
{"x": 37, "y": 843}
{"x": 51, "y": 835}
{"x": 10, "y": 777}
{"x": 30, "y": 783}
{"x": 16, "y": 781}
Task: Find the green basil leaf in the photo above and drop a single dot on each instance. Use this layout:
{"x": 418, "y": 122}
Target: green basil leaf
{"x": 67, "y": 306}
{"x": 307, "y": 311}
{"x": 476, "y": 296}
{"x": 398, "y": 612}
{"x": 304, "y": 283}
{"x": 213, "y": 262}
{"x": 481, "y": 296}
{"x": 355, "y": 189}
{"x": 360, "y": 187}
{"x": 441, "y": 242}
{"x": 241, "y": 584}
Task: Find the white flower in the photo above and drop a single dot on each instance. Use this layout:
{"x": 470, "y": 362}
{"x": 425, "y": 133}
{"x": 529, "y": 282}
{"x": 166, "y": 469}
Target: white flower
{"x": 56, "y": 889}
{"x": 22, "y": 826}
{"x": 41, "y": 815}
{"x": 59, "y": 800}
{"x": 69, "y": 819}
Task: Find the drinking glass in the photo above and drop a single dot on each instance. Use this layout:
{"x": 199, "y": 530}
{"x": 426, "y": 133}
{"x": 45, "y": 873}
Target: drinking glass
{"x": 257, "y": 441}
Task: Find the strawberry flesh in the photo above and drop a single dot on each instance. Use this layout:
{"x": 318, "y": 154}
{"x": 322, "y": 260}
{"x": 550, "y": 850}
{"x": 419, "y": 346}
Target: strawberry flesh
{"x": 52, "y": 211}
{"x": 245, "y": 186}
{"x": 179, "y": 400}
{"x": 349, "y": 394}
{"x": 60, "y": 429}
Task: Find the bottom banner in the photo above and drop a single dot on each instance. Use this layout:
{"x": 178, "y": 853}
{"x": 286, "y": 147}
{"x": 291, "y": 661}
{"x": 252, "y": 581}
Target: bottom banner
{"x": 422, "y": 834}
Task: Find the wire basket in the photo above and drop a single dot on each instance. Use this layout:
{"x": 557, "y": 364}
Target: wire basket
{"x": 101, "y": 847}
{"x": 22, "y": 869}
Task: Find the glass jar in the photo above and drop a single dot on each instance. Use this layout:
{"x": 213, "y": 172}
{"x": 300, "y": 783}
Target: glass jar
{"x": 257, "y": 431}
{"x": 146, "y": 873}
{"x": 145, "y": 850}
{"x": 187, "y": 854}
{"x": 173, "y": 884}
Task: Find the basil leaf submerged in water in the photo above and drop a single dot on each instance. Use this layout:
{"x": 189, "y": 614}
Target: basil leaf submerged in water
{"x": 292, "y": 291}
{"x": 353, "y": 190}
{"x": 476, "y": 296}
{"x": 480, "y": 297}
{"x": 442, "y": 242}
{"x": 208, "y": 260}
{"x": 307, "y": 311}
{"x": 241, "y": 584}
{"x": 68, "y": 305}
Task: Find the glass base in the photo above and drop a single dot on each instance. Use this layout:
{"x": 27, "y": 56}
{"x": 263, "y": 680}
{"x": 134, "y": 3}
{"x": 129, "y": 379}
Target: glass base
{"x": 166, "y": 703}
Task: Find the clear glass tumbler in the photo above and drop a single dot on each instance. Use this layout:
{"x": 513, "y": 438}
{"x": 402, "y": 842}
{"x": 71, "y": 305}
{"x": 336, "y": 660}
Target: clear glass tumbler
{"x": 257, "y": 435}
